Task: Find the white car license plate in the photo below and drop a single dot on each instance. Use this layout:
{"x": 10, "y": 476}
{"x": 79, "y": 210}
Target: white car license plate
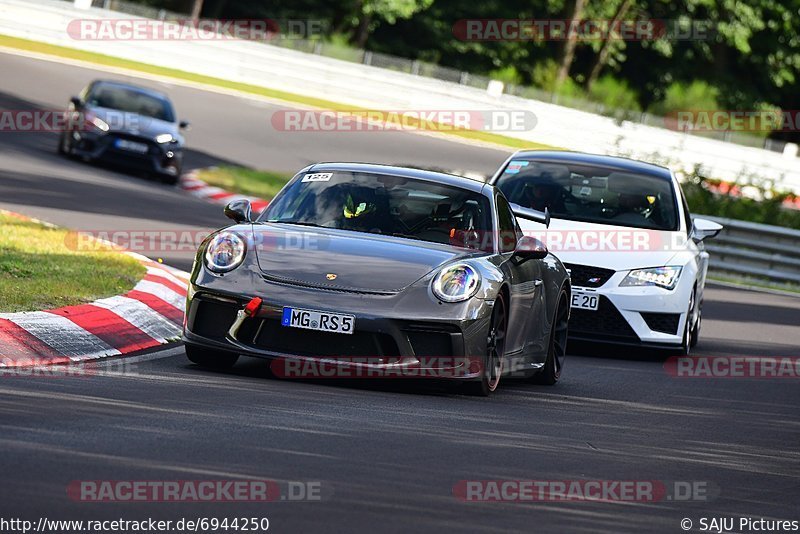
{"x": 318, "y": 320}
{"x": 132, "y": 146}
{"x": 585, "y": 301}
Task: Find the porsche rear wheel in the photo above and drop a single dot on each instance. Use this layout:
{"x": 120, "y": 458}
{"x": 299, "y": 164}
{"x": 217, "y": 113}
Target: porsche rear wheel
{"x": 557, "y": 350}
{"x": 492, "y": 364}
{"x": 210, "y": 358}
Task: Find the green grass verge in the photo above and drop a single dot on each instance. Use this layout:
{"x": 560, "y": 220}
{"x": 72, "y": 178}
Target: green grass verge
{"x": 39, "y": 271}
{"x": 747, "y": 282}
{"x": 262, "y": 184}
{"x": 101, "y": 59}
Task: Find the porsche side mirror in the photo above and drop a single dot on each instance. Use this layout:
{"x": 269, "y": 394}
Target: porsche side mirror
{"x": 704, "y": 229}
{"x": 530, "y": 248}
{"x": 76, "y": 102}
{"x": 531, "y": 215}
{"x": 183, "y": 125}
{"x": 239, "y": 210}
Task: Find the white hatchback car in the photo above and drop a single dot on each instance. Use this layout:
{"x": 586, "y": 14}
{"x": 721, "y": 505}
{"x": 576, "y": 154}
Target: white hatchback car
{"x": 623, "y": 229}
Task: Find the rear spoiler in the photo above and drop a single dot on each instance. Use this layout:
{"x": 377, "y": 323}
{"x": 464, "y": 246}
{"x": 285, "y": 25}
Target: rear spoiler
{"x": 532, "y": 215}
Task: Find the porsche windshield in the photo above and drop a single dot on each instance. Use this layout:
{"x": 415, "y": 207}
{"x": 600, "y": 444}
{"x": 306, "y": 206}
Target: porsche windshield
{"x": 385, "y": 205}
{"x": 591, "y": 194}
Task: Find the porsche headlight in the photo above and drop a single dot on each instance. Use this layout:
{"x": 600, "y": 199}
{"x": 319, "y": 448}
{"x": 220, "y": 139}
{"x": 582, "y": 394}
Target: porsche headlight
{"x": 164, "y": 138}
{"x": 456, "y": 283}
{"x": 666, "y": 277}
{"x": 225, "y": 252}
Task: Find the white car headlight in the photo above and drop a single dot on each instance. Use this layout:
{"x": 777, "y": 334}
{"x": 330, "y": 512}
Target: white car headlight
{"x": 666, "y": 277}
{"x": 164, "y": 138}
{"x": 98, "y": 123}
{"x": 456, "y": 283}
{"x": 225, "y": 252}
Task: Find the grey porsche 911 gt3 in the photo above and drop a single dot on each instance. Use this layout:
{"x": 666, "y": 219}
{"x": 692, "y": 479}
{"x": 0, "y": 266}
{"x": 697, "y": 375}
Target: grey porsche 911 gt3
{"x": 385, "y": 269}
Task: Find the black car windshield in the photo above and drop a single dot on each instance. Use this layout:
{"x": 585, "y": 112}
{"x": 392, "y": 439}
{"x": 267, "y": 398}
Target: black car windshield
{"x": 591, "y": 194}
{"x": 386, "y": 205}
{"x": 131, "y": 101}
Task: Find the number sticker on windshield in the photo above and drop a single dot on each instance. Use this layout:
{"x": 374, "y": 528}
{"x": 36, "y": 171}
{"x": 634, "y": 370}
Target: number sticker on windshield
{"x": 318, "y": 177}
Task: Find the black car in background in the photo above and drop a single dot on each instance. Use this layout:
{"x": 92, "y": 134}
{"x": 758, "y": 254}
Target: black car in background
{"x": 125, "y": 125}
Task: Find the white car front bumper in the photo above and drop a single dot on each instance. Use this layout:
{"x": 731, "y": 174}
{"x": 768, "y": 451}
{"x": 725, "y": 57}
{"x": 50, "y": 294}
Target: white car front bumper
{"x": 647, "y": 315}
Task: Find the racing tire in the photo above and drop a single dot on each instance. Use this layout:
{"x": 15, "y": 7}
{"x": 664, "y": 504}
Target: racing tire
{"x": 557, "y": 348}
{"x": 492, "y": 363}
{"x": 210, "y": 358}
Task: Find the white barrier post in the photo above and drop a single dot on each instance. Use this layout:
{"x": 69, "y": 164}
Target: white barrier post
{"x": 83, "y": 4}
{"x": 495, "y": 88}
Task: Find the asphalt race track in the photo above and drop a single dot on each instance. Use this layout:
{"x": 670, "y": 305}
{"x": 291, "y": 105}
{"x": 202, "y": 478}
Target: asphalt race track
{"x": 386, "y": 455}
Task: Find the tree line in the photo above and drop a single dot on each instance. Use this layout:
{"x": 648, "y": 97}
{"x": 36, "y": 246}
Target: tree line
{"x": 698, "y": 55}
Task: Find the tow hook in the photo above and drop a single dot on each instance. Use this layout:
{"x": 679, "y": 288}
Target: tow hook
{"x": 251, "y": 310}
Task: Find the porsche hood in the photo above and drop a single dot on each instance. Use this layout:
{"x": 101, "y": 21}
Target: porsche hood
{"x": 346, "y": 261}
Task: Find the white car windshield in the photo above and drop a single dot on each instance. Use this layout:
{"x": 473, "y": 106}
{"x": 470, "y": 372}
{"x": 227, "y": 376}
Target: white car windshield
{"x": 592, "y": 194}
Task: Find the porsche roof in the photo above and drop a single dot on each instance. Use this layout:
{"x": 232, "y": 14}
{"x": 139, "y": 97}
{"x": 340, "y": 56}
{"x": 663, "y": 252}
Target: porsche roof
{"x": 462, "y": 182}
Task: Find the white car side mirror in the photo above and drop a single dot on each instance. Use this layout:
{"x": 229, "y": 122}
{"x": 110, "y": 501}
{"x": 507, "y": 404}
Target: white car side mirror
{"x": 703, "y": 228}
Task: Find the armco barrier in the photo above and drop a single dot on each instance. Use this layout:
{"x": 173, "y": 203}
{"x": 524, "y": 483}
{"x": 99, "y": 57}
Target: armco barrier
{"x": 752, "y": 250}
{"x": 376, "y": 88}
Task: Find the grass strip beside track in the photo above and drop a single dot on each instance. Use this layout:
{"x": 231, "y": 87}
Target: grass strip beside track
{"x": 101, "y": 59}
{"x": 39, "y": 270}
{"x": 262, "y": 184}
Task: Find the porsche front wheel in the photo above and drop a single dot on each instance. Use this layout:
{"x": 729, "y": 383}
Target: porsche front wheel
{"x": 492, "y": 363}
{"x": 209, "y": 358}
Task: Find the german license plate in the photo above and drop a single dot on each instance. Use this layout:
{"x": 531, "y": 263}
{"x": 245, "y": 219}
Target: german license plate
{"x": 132, "y": 146}
{"x": 318, "y": 320}
{"x": 585, "y": 301}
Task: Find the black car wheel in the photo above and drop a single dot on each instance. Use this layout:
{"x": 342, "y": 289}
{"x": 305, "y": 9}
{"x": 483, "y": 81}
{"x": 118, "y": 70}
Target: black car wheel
{"x": 492, "y": 364}
{"x": 695, "y": 335}
{"x": 689, "y": 330}
{"x": 64, "y": 146}
{"x": 557, "y": 350}
{"x": 169, "y": 179}
{"x": 210, "y": 358}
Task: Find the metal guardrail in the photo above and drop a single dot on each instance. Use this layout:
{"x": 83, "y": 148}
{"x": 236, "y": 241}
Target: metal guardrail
{"x": 753, "y": 250}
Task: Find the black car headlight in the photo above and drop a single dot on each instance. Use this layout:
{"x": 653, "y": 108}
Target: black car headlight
{"x": 456, "y": 283}
{"x": 225, "y": 252}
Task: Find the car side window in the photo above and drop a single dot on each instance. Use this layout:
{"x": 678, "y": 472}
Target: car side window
{"x": 507, "y": 225}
